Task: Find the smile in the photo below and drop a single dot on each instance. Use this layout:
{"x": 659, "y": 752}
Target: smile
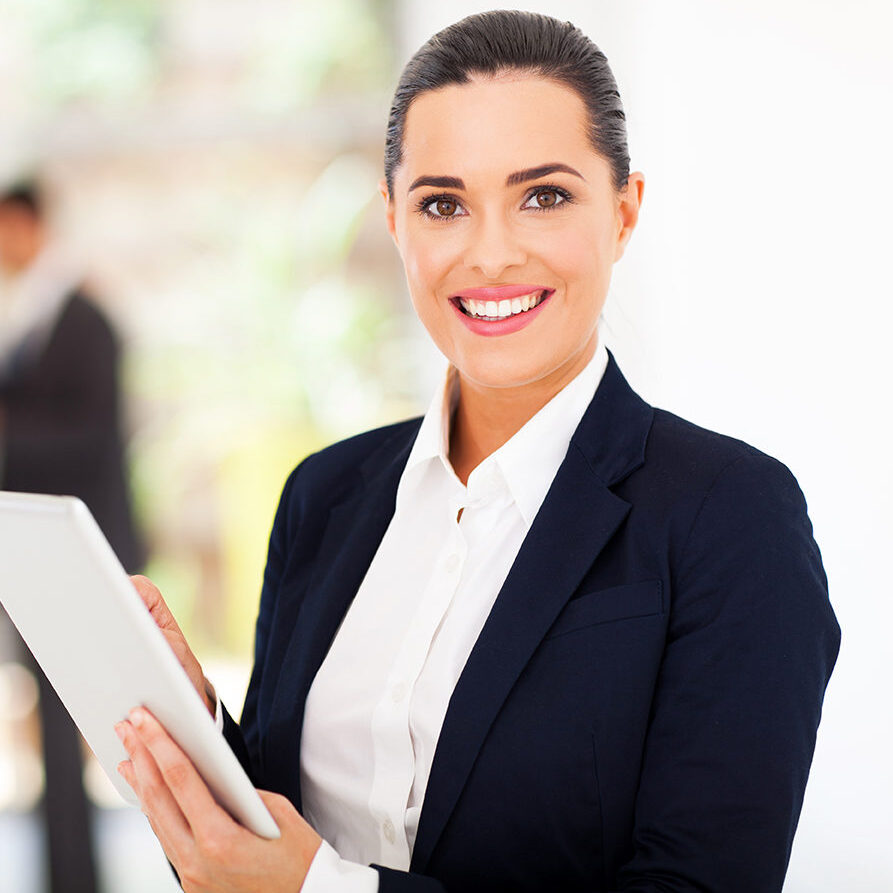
{"x": 502, "y": 310}
{"x": 496, "y": 310}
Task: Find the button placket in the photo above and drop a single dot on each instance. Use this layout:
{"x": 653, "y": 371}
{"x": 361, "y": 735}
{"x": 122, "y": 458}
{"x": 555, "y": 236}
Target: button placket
{"x": 393, "y": 752}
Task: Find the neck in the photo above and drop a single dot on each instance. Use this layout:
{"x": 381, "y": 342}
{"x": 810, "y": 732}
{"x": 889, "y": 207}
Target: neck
{"x": 486, "y": 418}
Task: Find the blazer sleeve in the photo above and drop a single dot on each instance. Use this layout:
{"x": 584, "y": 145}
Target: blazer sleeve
{"x": 751, "y": 644}
{"x": 243, "y": 736}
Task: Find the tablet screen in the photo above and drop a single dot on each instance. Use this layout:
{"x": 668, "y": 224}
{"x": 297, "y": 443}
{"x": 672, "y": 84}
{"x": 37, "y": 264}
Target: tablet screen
{"x": 87, "y": 627}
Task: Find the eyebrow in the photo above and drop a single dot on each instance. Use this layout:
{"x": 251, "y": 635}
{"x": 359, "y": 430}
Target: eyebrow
{"x": 442, "y": 182}
{"x": 543, "y": 170}
{"x": 530, "y": 173}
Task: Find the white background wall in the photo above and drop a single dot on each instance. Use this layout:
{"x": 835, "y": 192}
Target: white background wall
{"x": 755, "y": 299}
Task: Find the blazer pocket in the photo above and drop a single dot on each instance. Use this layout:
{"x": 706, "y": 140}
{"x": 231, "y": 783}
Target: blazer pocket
{"x": 605, "y": 605}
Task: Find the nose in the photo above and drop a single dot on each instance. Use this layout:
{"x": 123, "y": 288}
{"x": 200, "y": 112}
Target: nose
{"x": 493, "y": 247}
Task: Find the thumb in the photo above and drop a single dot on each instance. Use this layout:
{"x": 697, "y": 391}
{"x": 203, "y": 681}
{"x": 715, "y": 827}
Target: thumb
{"x": 294, "y": 827}
{"x": 277, "y": 804}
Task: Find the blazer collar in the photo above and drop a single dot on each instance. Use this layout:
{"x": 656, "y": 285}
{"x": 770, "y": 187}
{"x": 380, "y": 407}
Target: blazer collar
{"x": 612, "y": 434}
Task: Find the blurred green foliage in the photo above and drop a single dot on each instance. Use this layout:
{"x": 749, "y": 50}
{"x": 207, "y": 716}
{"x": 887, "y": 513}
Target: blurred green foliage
{"x": 335, "y": 45}
{"x": 117, "y": 50}
{"x": 260, "y": 331}
{"x": 96, "y": 49}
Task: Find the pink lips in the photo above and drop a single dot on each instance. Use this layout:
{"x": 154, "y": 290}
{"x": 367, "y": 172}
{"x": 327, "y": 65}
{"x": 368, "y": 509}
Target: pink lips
{"x": 504, "y": 292}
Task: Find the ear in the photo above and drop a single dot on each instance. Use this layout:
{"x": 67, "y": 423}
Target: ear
{"x": 389, "y": 210}
{"x": 628, "y": 211}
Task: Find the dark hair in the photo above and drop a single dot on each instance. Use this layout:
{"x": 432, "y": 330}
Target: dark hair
{"x": 490, "y": 43}
{"x": 25, "y": 194}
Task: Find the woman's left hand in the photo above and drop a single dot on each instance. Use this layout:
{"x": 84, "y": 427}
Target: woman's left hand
{"x": 209, "y": 850}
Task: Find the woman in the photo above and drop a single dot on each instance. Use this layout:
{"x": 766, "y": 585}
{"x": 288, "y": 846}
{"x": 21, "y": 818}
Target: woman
{"x": 547, "y": 637}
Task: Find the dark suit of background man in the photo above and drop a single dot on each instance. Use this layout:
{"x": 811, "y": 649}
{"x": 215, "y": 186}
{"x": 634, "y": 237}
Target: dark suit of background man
{"x": 60, "y": 432}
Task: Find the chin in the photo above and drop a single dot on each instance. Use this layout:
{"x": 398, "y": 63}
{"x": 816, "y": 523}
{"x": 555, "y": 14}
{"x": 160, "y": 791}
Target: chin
{"x": 501, "y": 372}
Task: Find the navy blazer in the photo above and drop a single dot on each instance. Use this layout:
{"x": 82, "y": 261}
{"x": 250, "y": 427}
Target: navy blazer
{"x": 640, "y": 710}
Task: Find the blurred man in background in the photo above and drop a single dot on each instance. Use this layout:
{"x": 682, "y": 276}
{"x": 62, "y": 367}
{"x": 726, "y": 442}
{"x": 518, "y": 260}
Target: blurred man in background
{"x": 60, "y": 432}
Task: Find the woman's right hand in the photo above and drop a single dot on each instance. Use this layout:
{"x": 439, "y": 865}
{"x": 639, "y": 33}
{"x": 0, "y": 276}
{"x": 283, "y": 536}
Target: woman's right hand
{"x": 162, "y": 616}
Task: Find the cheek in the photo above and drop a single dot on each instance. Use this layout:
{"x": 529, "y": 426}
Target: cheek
{"x": 581, "y": 258}
{"x": 428, "y": 261}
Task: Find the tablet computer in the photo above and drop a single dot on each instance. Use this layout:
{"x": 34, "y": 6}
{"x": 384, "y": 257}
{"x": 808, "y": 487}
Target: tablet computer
{"x": 93, "y": 637}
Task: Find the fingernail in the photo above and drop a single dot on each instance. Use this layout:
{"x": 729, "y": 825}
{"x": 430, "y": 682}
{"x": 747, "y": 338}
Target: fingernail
{"x": 119, "y": 731}
{"x": 137, "y": 716}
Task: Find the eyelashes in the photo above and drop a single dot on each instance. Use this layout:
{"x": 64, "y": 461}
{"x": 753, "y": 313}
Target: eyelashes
{"x": 423, "y": 206}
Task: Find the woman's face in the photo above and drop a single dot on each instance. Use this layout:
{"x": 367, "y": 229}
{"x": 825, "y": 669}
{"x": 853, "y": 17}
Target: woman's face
{"x": 502, "y": 208}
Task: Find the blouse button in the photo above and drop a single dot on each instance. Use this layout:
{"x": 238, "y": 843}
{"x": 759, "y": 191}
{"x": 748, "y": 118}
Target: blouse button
{"x": 389, "y": 832}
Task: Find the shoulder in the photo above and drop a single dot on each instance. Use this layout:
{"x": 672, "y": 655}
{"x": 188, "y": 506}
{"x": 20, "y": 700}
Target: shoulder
{"x": 325, "y": 476}
{"x": 730, "y": 505}
{"x": 81, "y": 318}
{"x": 709, "y": 497}
{"x": 352, "y": 452}
{"x": 654, "y": 458}
{"x": 687, "y": 455}
{"x": 83, "y": 307}
{"x": 732, "y": 525}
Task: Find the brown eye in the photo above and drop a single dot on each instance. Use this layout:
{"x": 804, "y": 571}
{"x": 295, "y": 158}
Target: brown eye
{"x": 441, "y": 207}
{"x": 546, "y": 198}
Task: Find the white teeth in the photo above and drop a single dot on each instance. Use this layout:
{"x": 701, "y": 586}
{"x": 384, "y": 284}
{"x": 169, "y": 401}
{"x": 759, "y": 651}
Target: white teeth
{"x": 502, "y": 309}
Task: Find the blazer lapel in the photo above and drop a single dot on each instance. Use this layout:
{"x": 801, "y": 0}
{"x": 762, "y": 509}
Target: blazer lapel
{"x": 575, "y": 522}
{"x": 353, "y": 532}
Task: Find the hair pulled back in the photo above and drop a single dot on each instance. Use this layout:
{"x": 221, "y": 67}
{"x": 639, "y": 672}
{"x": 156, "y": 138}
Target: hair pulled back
{"x": 499, "y": 41}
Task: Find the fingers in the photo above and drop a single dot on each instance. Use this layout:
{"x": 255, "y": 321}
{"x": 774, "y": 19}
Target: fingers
{"x": 181, "y": 786}
{"x": 173, "y": 852}
{"x": 164, "y": 620}
{"x": 151, "y": 596}
{"x": 207, "y": 848}
{"x": 143, "y": 775}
